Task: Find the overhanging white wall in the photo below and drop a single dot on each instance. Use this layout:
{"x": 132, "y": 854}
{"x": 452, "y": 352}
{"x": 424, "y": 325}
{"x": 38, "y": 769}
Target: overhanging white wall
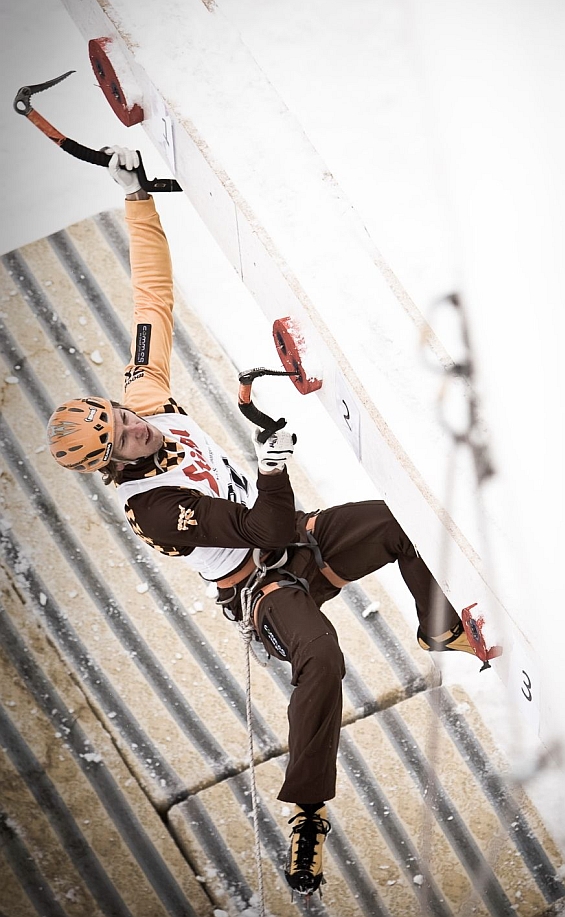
{"x": 300, "y": 248}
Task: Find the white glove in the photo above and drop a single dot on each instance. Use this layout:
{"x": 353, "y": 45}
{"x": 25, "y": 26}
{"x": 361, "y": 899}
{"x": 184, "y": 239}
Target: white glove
{"x": 274, "y": 454}
{"x": 121, "y": 167}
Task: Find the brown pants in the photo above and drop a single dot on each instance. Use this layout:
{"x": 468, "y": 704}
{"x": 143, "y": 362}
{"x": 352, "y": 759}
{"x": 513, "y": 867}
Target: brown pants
{"x": 354, "y": 539}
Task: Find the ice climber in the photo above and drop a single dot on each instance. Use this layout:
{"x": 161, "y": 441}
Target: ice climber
{"x": 184, "y": 497}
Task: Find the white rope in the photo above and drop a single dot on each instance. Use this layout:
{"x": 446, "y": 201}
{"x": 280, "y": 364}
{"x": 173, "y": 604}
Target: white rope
{"x": 258, "y": 859}
{"x": 246, "y": 629}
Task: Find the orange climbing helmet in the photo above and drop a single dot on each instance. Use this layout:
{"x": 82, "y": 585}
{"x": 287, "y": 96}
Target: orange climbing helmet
{"x": 81, "y": 433}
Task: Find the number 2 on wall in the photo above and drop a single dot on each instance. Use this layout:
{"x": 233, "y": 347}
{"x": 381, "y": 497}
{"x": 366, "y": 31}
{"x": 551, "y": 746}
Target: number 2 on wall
{"x": 346, "y": 414}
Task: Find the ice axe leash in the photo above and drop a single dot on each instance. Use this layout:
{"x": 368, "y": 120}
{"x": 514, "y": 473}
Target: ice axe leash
{"x": 249, "y": 410}
{"x": 23, "y": 106}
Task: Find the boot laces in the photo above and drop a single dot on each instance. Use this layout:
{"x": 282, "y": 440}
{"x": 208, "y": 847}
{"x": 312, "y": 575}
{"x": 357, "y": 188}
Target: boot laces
{"x": 307, "y": 829}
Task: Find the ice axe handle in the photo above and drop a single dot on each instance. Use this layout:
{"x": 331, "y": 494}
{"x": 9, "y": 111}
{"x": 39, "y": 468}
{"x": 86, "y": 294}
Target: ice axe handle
{"x": 100, "y": 158}
{"x": 257, "y": 417}
{"x": 249, "y": 410}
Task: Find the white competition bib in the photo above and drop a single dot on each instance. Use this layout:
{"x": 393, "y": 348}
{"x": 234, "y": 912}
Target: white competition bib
{"x": 203, "y": 467}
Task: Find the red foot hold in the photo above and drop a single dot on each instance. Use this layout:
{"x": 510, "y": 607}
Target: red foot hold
{"x": 474, "y": 630}
{"x": 99, "y": 50}
{"x": 291, "y": 348}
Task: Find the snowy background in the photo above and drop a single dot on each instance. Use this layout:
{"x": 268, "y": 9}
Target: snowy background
{"x": 487, "y": 83}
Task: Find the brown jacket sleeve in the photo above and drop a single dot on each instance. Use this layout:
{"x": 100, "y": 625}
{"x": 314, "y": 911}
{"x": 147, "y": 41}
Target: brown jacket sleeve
{"x": 147, "y": 376}
{"x": 175, "y": 519}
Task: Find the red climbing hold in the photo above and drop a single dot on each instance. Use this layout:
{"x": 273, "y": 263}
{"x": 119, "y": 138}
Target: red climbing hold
{"x": 115, "y": 79}
{"x": 293, "y": 351}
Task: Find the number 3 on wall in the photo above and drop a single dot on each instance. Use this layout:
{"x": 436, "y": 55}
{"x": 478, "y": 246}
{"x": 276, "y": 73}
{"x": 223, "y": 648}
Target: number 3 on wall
{"x": 525, "y": 683}
{"x": 527, "y": 686}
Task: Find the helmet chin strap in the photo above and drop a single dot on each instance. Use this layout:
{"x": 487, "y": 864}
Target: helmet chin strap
{"x": 141, "y": 458}
{"x": 121, "y": 461}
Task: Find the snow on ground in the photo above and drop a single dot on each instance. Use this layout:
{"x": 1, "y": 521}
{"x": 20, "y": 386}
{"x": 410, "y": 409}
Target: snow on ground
{"x": 489, "y": 80}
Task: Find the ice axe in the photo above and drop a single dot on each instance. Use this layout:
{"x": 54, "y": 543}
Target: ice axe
{"x": 23, "y": 106}
{"x": 249, "y": 410}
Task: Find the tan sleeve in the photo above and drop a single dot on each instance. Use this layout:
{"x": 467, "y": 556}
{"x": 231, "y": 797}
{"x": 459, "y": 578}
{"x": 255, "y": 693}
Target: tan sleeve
{"x": 147, "y": 376}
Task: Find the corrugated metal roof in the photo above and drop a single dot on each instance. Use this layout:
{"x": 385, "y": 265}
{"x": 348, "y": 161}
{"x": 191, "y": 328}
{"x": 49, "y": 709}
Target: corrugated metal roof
{"x": 123, "y": 762}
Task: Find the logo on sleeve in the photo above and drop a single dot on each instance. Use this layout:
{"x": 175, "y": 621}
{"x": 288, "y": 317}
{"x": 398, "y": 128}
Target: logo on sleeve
{"x": 132, "y": 375}
{"x": 142, "y": 342}
{"x": 185, "y": 518}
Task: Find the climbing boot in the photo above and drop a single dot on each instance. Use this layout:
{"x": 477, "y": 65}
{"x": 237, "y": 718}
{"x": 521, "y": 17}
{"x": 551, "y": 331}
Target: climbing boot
{"x": 451, "y": 641}
{"x": 303, "y": 869}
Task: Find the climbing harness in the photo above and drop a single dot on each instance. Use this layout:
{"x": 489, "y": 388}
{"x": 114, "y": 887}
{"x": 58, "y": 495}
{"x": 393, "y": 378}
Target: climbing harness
{"x": 323, "y": 567}
{"x": 250, "y": 599}
{"x": 23, "y": 106}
